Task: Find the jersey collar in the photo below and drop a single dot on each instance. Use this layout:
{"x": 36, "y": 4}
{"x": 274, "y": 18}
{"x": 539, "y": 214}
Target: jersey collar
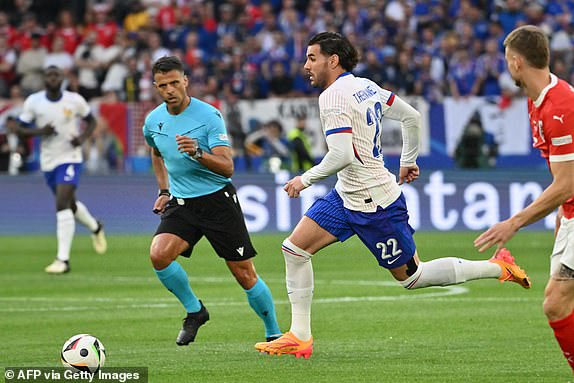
{"x": 540, "y": 99}
{"x": 343, "y": 75}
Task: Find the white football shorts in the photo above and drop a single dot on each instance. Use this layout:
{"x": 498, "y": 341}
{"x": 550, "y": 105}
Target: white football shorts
{"x": 563, "y": 252}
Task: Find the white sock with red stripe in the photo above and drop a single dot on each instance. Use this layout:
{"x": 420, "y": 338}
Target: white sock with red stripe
{"x": 450, "y": 271}
{"x": 299, "y": 276}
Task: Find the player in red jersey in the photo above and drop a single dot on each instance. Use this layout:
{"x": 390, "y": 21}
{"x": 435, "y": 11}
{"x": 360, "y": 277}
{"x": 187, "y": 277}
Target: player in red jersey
{"x": 551, "y": 111}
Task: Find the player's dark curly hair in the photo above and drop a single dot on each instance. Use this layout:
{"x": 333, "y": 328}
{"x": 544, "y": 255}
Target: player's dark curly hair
{"x": 333, "y": 43}
{"x": 166, "y": 64}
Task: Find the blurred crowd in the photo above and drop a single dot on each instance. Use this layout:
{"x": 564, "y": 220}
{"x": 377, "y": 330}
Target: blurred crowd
{"x": 255, "y": 48}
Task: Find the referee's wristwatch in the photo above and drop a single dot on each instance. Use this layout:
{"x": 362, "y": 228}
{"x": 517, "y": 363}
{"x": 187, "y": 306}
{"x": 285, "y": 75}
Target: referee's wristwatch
{"x": 198, "y": 154}
{"x": 164, "y": 192}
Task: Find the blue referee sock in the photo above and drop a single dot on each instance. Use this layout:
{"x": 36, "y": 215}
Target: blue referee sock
{"x": 261, "y": 301}
{"x": 174, "y": 278}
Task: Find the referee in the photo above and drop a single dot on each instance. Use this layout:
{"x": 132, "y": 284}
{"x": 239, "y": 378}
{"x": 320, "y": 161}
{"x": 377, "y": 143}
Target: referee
{"x": 192, "y": 162}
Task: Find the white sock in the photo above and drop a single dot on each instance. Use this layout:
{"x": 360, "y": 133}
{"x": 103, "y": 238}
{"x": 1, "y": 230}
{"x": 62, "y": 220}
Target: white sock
{"x": 66, "y": 226}
{"x": 84, "y": 217}
{"x": 299, "y": 275}
{"x": 450, "y": 271}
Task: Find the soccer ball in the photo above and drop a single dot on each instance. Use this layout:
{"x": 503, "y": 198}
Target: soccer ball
{"x": 83, "y": 352}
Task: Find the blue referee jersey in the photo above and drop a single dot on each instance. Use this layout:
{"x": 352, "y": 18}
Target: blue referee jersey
{"x": 187, "y": 177}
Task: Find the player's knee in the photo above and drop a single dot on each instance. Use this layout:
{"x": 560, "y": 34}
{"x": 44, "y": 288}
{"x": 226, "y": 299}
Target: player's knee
{"x": 63, "y": 204}
{"x": 293, "y": 253}
{"x": 557, "y": 305}
{"x": 244, "y": 273}
{"x": 160, "y": 257}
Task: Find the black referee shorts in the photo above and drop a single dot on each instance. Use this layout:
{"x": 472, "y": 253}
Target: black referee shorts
{"x": 218, "y": 216}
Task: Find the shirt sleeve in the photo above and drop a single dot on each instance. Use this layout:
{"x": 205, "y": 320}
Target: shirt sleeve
{"x": 217, "y": 132}
{"x": 558, "y": 127}
{"x": 83, "y": 108}
{"x": 339, "y": 155}
{"x": 335, "y": 113}
{"x": 410, "y": 120}
{"x": 27, "y": 116}
{"x": 146, "y": 133}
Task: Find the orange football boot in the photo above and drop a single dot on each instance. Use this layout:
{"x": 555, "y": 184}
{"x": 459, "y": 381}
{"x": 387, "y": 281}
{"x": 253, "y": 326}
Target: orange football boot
{"x": 510, "y": 270}
{"x": 287, "y": 344}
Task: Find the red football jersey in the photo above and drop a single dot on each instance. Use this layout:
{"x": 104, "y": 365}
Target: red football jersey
{"x": 552, "y": 123}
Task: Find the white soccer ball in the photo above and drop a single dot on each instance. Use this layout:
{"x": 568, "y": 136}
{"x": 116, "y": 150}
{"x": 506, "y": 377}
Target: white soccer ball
{"x": 83, "y": 352}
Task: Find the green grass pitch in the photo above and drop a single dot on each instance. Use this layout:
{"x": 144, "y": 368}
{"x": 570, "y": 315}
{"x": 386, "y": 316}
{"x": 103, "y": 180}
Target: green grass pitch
{"x": 366, "y": 327}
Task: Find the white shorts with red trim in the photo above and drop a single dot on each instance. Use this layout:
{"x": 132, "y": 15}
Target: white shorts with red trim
{"x": 563, "y": 252}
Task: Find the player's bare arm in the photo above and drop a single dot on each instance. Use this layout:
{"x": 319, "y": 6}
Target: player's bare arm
{"x": 90, "y": 126}
{"x": 219, "y": 160}
{"x": 162, "y": 181}
{"x": 560, "y": 190}
{"x": 45, "y": 131}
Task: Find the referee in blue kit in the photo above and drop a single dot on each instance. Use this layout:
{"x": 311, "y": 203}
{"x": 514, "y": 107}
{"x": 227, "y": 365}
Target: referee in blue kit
{"x": 192, "y": 162}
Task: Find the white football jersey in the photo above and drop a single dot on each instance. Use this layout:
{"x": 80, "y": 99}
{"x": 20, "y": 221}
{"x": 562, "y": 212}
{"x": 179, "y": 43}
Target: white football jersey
{"x": 357, "y": 105}
{"x": 63, "y": 115}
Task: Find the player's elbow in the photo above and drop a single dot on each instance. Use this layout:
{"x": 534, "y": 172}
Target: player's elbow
{"x": 346, "y": 159}
{"x": 229, "y": 169}
{"x": 414, "y": 118}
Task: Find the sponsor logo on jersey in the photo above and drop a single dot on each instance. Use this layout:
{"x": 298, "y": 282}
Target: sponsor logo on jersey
{"x": 559, "y": 118}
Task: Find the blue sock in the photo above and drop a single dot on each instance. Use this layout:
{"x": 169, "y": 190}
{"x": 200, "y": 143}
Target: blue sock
{"x": 261, "y": 301}
{"x": 174, "y": 278}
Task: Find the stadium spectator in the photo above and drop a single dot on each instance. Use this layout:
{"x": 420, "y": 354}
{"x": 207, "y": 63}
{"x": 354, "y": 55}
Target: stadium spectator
{"x": 301, "y": 154}
{"x": 102, "y": 151}
{"x": 99, "y": 22}
{"x": 68, "y": 31}
{"x": 168, "y": 15}
{"x": 55, "y": 114}
{"x": 29, "y": 26}
{"x": 145, "y": 83}
{"x": 156, "y": 50}
{"x": 511, "y": 15}
{"x": 462, "y": 75}
{"x": 195, "y": 209}
{"x": 30, "y": 66}
{"x": 7, "y": 30}
{"x": 137, "y": 17}
{"x": 366, "y": 200}
{"x": 489, "y": 67}
{"x": 280, "y": 81}
{"x": 8, "y": 61}
{"x": 269, "y": 147}
{"x": 550, "y": 108}
{"x": 88, "y": 60}
{"x": 13, "y": 150}
{"x": 114, "y": 60}
{"x": 130, "y": 91}
{"x": 58, "y": 56}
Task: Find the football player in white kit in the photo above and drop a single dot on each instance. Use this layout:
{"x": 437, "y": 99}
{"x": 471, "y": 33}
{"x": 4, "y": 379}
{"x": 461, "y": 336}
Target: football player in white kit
{"x": 54, "y": 114}
{"x": 366, "y": 200}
